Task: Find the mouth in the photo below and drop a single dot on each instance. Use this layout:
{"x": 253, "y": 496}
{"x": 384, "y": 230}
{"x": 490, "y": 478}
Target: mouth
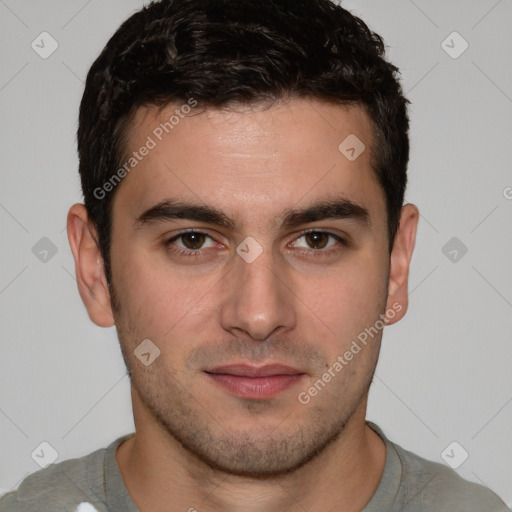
{"x": 257, "y": 383}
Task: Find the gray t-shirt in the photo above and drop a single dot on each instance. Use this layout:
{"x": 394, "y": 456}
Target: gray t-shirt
{"x": 409, "y": 484}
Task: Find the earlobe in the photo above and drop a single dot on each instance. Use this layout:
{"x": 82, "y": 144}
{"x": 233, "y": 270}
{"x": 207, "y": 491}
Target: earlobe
{"x": 400, "y": 260}
{"x": 89, "y": 268}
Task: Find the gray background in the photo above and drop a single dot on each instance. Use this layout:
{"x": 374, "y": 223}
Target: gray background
{"x": 444, "y": 373}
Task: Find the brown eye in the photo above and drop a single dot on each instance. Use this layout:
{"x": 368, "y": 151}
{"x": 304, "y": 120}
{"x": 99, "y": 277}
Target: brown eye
{"x": 319, "y": 242}
{"x": 317, "y": 239}
{"x": 193, "y": 240}
{"x": 190, "y": 243}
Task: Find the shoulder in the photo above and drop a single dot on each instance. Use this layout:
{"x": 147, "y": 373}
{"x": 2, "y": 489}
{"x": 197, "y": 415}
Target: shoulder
{"x": 61, "y": 487}
{"x": 431, "y": 486}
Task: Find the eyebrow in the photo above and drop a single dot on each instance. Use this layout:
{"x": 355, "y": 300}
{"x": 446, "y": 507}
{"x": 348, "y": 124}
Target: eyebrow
{"x": 169, "y": 209}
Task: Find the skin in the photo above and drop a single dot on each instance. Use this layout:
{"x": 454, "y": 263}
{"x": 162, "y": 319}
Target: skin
{"x": 196, "y": 444}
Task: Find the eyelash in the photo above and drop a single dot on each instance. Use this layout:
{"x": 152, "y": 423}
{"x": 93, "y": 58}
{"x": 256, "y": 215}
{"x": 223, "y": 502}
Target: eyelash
{"x": 197, "y": 253}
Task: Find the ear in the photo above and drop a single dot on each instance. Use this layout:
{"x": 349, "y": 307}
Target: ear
{"x": 399, "y": 263}
{"x": 89, "y": 266}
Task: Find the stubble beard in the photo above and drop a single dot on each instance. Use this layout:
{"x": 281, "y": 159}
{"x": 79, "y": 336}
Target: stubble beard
{"x": 264, "y": 454}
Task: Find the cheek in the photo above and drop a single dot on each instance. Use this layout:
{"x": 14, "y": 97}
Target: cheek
{"x": 348, "y": 300}
{"x": 159, "y": 301}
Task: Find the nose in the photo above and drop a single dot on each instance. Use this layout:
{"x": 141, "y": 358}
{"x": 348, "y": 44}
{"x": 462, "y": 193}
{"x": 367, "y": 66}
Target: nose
{"x": 257, "y": 298}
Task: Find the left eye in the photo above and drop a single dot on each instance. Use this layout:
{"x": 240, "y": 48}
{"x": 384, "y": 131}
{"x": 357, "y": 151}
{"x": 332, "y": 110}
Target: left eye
{"x": 318, "y": 240}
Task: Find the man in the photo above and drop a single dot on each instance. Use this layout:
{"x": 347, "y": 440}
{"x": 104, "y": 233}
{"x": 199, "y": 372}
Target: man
{"x": 243, "y": 167}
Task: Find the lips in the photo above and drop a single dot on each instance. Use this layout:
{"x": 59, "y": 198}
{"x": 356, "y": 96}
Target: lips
{"x": 242, "y": 370}
{"x": 252, "y": 382}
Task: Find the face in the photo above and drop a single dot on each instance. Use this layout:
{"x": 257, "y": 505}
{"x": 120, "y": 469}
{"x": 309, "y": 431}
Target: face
{"x": 243, "y": 240}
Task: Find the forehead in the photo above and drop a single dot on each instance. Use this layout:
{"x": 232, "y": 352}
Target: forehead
{"x": 250, "y": 161}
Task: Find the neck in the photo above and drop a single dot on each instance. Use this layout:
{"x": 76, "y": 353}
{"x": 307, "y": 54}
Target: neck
{"x": 159, "y": 471}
